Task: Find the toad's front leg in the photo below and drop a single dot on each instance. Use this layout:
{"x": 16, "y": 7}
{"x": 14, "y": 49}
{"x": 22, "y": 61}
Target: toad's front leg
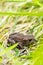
{"x": 20, "y": 45}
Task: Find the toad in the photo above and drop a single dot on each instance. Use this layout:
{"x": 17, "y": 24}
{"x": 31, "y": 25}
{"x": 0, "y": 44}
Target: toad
{"x": 21, "y": 39}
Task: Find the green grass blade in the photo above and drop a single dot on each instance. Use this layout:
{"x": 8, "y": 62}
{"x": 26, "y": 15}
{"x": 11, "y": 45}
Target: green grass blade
{"x": 8, "y": 49}
{"x": 22, "y": 13}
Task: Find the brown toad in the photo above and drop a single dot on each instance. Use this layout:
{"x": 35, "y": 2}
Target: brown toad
{"x": 23, "y": 40}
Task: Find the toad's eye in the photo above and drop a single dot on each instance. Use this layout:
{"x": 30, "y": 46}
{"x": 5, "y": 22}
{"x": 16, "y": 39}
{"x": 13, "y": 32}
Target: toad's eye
{"x": 30, "y": 40}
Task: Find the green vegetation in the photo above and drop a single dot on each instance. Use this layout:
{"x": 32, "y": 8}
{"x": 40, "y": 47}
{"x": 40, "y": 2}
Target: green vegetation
{"x": 21, "y": 17}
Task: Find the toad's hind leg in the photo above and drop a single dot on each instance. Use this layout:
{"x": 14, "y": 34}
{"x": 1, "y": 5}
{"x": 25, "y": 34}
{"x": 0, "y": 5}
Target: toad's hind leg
{"x": 10, "y": 41}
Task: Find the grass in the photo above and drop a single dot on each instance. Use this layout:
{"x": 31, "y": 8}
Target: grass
{"x": 28, "y": 17}
{"x": 22, "y": 13}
